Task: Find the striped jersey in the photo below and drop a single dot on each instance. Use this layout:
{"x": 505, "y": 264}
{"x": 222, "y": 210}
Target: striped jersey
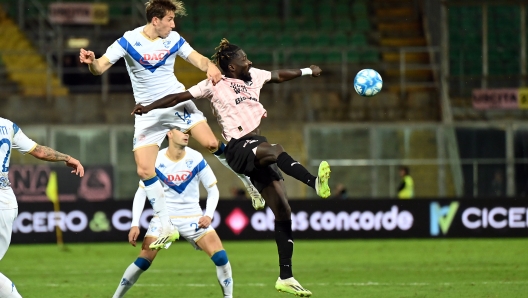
{"x": 150, "y": 63}
{"x": 180, "y": 180}
{"x": 11, "y": 137}
{"x": 235, "y": 102}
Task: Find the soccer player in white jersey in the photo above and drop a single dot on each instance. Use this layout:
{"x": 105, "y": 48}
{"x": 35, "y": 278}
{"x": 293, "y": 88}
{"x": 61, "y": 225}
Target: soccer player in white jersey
{"x": 150, "y": 52}
{"x": 239, "y": 112}
{"x": 12, "y": 137}
{"x": 181, "y": 169}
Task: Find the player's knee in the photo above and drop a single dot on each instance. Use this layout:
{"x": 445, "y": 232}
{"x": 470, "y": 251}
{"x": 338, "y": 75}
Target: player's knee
{"x": 211, "y": 145}
{"x": 220, "y": 258}
{"x": 142, "y": 263}
{"x": 283, "y": 212}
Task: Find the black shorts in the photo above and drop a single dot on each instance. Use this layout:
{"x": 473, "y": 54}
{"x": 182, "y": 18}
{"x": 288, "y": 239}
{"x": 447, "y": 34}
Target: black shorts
{"x": 240, "y": 157}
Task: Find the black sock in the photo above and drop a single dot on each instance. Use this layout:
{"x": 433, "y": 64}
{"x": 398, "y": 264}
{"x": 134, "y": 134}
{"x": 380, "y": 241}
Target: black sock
{"x": 293, "y": 168}
{"x": 284, "y": 239}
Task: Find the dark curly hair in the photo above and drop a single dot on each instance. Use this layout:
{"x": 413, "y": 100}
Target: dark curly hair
{"x": 224, "y": 53}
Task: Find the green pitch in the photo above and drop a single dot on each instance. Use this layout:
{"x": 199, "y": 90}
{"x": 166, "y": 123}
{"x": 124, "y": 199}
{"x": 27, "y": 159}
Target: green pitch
{"x": 348, "y": 268}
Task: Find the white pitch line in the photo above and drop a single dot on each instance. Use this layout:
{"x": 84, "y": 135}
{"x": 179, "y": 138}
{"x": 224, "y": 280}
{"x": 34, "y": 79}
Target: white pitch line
{"x": 347, "y": 284}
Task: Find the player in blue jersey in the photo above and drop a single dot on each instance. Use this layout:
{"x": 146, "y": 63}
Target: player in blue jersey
{"x": 12, "y": 137}
{"x": 150, "y": 52}
{"x": 181, "y": 169}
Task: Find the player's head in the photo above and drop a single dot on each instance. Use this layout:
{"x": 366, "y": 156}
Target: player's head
{"x": 177, "y": 138}
{"x": 161, "y": 14}
{"x": 232, "y": 60}
{"x": 404, "y": 171}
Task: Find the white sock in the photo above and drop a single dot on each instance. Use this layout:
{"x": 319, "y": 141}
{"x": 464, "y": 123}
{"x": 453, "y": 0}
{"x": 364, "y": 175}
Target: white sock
{"x": 245, "y": 179}
{"x": 225, "y": 279}
{"x": 7, "y": 288}
{"x": 130, "y": 277}
{"x": 156, "y": 198}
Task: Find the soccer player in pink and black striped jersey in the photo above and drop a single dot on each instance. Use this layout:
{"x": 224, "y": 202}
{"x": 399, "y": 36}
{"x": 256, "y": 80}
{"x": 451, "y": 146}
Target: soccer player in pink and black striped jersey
{"x": 236, "y": 104}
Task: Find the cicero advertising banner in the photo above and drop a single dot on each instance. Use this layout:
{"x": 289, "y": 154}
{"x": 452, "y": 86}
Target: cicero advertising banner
{"x": 87, "y": 13}
{"x": 311, "y": 219}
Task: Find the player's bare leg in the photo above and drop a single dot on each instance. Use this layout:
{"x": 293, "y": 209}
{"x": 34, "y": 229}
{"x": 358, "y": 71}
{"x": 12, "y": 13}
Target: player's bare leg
{"x": 204, "y": 135}
{"x": 268, "y": 154}
{"x": 134, "y": 270}
{"x": 275, "y": 196}
{"x": 145, "y": 160}
{"x": 210, "y": 243}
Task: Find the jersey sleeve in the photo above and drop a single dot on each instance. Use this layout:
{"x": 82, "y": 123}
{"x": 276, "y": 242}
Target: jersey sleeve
{"x": 208, "y": 180}
{"x": 116, "y": 50}
{"x": 259, "y": 76}
{"x": 204, "y": 89}
{"x": 185, "y": 50}
{"x": 21, "y": 142}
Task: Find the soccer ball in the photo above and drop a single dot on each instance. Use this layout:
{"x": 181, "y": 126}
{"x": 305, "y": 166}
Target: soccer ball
{"x": 368, "y": 82}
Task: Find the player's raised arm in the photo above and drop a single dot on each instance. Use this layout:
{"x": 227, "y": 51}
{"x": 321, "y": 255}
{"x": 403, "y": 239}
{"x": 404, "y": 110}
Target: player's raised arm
{"x": 96, "y": 66}
{"x": 50, "y": 154}
{"x": 204, "y": 64}
{"x": 165, "y": 102}
{"x": 283, "y": 75}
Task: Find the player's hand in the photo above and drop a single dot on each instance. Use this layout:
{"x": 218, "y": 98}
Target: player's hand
{"x": 214, "y": 74}
{"x": 140, "y": 110}
{"x": 133, "y": 235}
{"x": 316, "y": 71}
{"x": 87, "y": 57}
{"x": 204, "y": 222}
{"x": 78, "y": 168}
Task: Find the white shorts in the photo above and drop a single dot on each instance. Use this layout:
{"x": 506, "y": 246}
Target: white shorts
{"x": 151, "y": 128}
{"x": 187, "y": 226}
{"x": 7, "y": 217}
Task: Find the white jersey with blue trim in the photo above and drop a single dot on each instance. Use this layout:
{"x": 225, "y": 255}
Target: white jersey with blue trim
{"x": 181, "y": 181}
{"x": 150, "y": 63}
{"x": 11, "y": 137}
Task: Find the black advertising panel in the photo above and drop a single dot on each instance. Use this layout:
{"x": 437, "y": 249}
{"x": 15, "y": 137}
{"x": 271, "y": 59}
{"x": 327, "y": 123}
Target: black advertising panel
{"x": 29, "y": 183}
{"x": 109, "y": 220}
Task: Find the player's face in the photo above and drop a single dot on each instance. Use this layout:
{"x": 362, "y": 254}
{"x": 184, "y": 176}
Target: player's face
{"x": 165, "y": 25}
{"x": 242, "y": 66}
{"x": 178, "y": 138}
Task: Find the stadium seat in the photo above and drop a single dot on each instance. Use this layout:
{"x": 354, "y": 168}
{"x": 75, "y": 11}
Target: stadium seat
{"x": 286, "y": 41}
{"x": 358, "y": 39}
{"x": 268, "y": 38}
{"x": 327, "y": 23}
{"x": 304, "y": 39}
{"x": 220, "y": 24}
{"x": 344, "y": 24}
{"x": 342, "y": 10}
{"x": 252, "y": 9}
{"x": 340, "y": 39}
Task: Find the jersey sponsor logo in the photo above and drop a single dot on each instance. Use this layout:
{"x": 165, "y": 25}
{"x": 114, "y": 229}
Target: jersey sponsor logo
{"x": 180, "y": 176}
{"x": 243, "y": 98}
{"x": 238, "y": 88}
{"x": 158, "y": 55}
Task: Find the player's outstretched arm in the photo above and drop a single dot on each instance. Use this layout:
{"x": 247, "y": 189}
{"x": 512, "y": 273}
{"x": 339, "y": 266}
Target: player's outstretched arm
{"x": 283, "y": 75}
{"x": 165, "y": 102}
{"x": 96, "y": 66}
{"x": 50, "y": 154}
{"x": 205, "y": 65}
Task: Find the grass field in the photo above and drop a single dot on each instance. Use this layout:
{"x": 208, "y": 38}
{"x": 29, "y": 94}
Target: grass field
{"x": 348, "y": 268}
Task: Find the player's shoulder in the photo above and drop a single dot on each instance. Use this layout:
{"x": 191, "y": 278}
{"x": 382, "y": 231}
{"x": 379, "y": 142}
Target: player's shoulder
{"x": 174, "y": 36}
{"x": 191, "y": 153}
{"x": 4, "y": 121}
{"x": 133, "y": 33}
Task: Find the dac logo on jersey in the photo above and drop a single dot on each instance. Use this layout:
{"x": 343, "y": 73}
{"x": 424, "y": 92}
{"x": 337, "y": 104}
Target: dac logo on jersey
{"x": 442, "y": 217}
{"x": 189, "y": 163}
{"x": 166, "y": 43}
{"x": 156, "y": 56}
{"x": 180, "y": 176}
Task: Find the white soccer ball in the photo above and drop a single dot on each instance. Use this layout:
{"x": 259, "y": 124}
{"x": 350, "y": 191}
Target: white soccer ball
{"x": 368, "y": 82}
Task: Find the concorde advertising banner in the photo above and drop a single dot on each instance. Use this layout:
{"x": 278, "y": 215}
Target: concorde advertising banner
{"x": 109, "y": 220}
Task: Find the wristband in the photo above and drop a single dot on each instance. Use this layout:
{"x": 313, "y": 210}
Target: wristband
{"x": 306, "y": 71}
